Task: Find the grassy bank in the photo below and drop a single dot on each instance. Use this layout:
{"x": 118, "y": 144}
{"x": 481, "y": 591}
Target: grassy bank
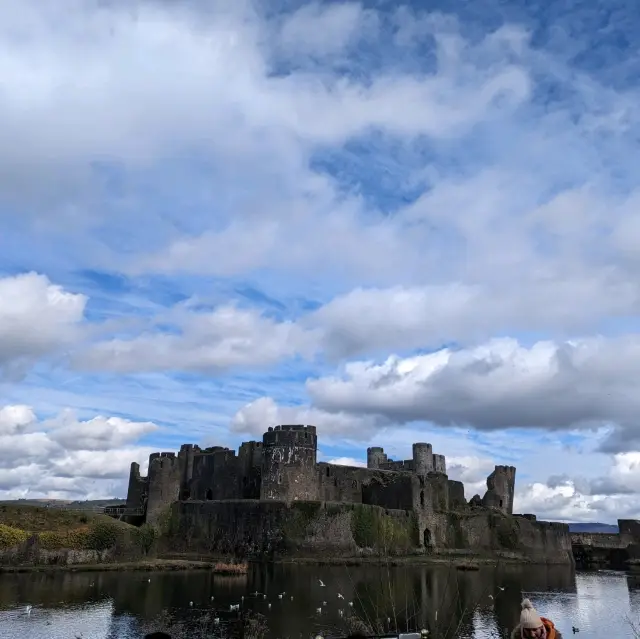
{"x": 32, "y": 535}
{"x": 145, "y": 565}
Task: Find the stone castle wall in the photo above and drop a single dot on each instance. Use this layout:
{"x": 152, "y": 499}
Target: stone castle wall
{"x": 283, "y": 468}
{"x": 273, "y": 528}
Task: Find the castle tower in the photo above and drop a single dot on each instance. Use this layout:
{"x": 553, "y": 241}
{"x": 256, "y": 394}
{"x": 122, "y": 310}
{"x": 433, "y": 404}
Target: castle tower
{"x": 185, "y": 461}
{"x": 500, "y": 489}
{"x": 164, "y": 483}
{"x": 375, "y": 457}
{"x": 289, "y": 463}
{"x": 422, "y": 458}
{"x": 138, "y": 488}
{"x": 439, "y": 464}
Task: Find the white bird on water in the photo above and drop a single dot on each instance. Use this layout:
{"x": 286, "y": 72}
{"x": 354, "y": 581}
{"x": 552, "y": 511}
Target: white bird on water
{"x": 279, "y": 596}
{"x": 319, "y": 611}
{"x": 322, "y": 584}
{"x": 340, "y": 596}
{"x": 28, "y": 610}
{"x": 269, "y": 606}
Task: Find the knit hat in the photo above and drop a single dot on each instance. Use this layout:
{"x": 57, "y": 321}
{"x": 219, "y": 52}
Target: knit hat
{"x": 529, "y": 617}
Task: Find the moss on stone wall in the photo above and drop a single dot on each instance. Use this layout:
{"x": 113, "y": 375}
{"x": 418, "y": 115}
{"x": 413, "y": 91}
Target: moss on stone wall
{"x": 301, "y": 516}
{"x": 507, "y": 533}
{"x": 372, "y": 527}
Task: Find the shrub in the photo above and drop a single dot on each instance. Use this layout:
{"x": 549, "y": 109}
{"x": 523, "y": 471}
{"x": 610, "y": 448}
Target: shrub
{"x": 145, "y": 537}
{"x": 103, "y": 535}
{"x": 52, "y": 540}
{"x": 10, "y": 537}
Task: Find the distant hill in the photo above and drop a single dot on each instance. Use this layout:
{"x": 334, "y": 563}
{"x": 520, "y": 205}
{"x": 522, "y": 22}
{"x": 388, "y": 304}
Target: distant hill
{"x": 594, "y": 528}
{"x": 90, "y": 504}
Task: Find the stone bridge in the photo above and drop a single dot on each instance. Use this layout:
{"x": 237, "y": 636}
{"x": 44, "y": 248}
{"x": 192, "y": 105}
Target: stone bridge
{"x": 607, "y": 549}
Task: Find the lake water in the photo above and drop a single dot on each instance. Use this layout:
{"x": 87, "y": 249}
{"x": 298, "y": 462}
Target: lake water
{"x": 450, "y": 603}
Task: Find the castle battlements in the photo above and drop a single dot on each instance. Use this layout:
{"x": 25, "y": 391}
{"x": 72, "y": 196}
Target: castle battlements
{"x": 284, "y": 467}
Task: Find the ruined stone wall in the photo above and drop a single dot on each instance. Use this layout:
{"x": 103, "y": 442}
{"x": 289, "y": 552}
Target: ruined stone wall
{"x": 457, "y": 499}
{"x": 341, "y": 483}
{"x": 491, "y": 533}
{"x": 250, "y": 461}
{"x": 389, "y": 489}
{"x": 164, "y": 484}
{"x": 289, "y": 463}
{"x": 277, "y": 528}
{"x": 186, "y": 458}
{"x": 263, "y": 529}
{"x": 375, "y": 457}
{"x": 500, "y": 489}
{"x": 217, "y": 474}
{"x": 138, "y": 488}
{"x": 400, "y": 466}
{"x": 440, "y": 464}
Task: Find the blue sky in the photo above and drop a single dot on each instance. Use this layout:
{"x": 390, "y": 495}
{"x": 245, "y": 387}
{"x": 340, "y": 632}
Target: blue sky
{"x": 396, "y": 224}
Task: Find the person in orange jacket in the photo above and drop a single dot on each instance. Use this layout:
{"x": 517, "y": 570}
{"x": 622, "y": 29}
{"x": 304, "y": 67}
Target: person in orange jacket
{"x": 533, "y": 626}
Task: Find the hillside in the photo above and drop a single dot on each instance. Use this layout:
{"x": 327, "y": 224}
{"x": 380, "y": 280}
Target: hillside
{"x": 35, "y": 519}
{"x": 92, "y": 504}
{"x": 593, "y": 527}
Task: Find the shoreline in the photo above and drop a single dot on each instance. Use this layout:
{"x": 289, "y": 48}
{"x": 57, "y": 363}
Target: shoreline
{"x": 174, "y": 564}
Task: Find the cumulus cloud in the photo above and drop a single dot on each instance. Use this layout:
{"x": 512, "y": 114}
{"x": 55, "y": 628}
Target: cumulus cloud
{"x": 37, "y": 318}
{"x": 214, "y": 342}
{"x": 584, "y": 383}
{"x": 257, "y": 416}
{"x": 67, "y": 458}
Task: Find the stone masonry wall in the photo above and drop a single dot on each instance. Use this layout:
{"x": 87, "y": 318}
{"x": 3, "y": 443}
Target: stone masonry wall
{"x": 164, "y": 484}
{"x": 308, "y": 529}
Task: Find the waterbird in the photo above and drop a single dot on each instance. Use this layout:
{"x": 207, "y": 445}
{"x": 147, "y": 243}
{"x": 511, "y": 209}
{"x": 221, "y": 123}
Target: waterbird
{"x": 319, "y": 611}
{"x": 28, "y": 610}
{"x": 191, "y": 603}
{"x": 340, "y": 596}
{"x": 264, "y": 596}
{"x": 211, "y": 597}
{"x": 233, "y": 607}
{"x": 574, "y": 629}
{"x": 242, "y": 598}
{"x": 324, "y": 603}
{"x": 322, "y": 584}
{"x": 269, "y": 606}
{"x": 291, "y": 597}
{"x": 279, "y": 596}
{"x": 351, "y": 603}
{"x": 500, "y": 587}
{"x": 216, "y": 620}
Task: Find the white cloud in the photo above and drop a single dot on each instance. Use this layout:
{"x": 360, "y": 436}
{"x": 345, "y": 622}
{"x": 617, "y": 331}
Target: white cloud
{"x": 255, "y": 417}
{"x": 213, "y": 342}
{"x": 37, "y": 318}
{"x": 347, "y": 461}
{"x": 68, "y": 458}
{"x": 501, "y": 384}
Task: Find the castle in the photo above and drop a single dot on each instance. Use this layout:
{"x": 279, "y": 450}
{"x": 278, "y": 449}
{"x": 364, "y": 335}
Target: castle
{"x": 283, "y": 467}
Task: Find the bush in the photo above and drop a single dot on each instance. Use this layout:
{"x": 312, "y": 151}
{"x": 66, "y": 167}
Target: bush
{"x": 52, "y": 540}
{"x": 103, "y": 535}
{"x": 145, "y": 537}
{"x": 10, "y": 537}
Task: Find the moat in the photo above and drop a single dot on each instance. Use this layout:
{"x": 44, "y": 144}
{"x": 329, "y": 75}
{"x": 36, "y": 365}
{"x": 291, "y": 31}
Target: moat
{"x": 466, "y": 605}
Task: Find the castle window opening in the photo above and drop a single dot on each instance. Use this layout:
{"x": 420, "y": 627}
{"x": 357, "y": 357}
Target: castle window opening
{"x": 422, "y": 498}
{"x": 426, "y": 538}
{"x": 209, "y": 495}
{"x": 328, "y": 471}
{"x": 501, "y": 503}
{"x": 279, "y": 479}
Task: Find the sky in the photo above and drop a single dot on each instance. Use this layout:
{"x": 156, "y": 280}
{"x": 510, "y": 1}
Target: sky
{"x": 396, "y": 224}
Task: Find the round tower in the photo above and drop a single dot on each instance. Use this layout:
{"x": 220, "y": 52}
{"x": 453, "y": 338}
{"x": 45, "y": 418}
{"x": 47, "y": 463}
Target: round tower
{"x": 289, "y": 463}
{"x": 375, "y": 457}
{"x": 422, "y": 458}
